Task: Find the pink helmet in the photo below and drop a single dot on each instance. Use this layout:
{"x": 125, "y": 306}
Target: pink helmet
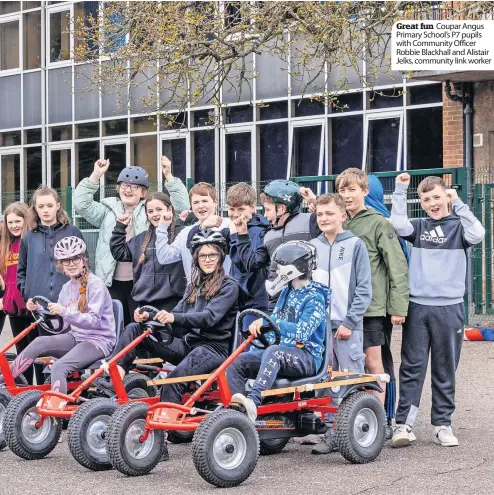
{"x": 69, "y": 247}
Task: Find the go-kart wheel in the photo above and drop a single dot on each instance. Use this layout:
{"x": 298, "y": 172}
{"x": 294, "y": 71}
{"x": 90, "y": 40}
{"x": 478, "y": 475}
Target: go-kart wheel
{"x": 5, "y": 399}
{"x": 360, "y": 427}
{"x": 21, "y": 380}
{"x": 225, "y": 448}
{"x": 271, "y": 446}
{"x": 87, "y": 433}
{"x": 125, "y": 451}
{"x": 136, "y": 386}
{"x": 24, "y": 438}
{"x": 176, "y": 436}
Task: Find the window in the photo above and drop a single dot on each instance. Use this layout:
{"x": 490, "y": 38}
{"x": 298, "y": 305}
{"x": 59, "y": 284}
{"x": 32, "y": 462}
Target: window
{"x": 59, "y": 96}
{"x": 238, "y": 157}
{"x": 59, "y": 43}
{"x": 273, "y": 153}
{"x": 32, "y": 98}
{"x": 238, "y": 114}
{"x": 86, "y": 98}
{"x": 176, "y": 151}
{"x": 142, "y": 124}
{"x": 385, "y": 98}
{"x": 10, "y": 170}
{"x": 273, "y": 110}
{"x": 32, "y": 136}
{"x": 12, "y": 138}
{"x": 307, "y": 150}
{"x": 143, "y": 151}
{"x": 10, "y": 7}
{"x": 204, "y": 163}
{"x": 420, "y": 95}
{"x": 384, "y": 142}
{"x": 345, "y": 142}
{"x": 307, "y": 107}
{"x": 9, "y": 45}
{"x": 62, "y": 133}
{"x": 32, "y": 40}
{"x": 307, "y": 71}
{"x": 10, "y": 102}
{"x": 87, "y": 11}
{"x": 114, "y": 127}
{"x": 203, "y": 118}
{"x": 87, "y": 130}
{"x": 272, "y": 79}
{"x": 86, "y": 155}
{"x": 33, "y": 167}
{"x": 347, "y": 102}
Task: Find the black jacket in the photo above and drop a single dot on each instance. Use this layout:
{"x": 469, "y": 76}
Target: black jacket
{"x": 36, "y": 271}
{"x": 209, "y": 321}
{"x": 153, "y": 282}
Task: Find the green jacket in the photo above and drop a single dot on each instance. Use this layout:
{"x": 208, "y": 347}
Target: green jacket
{"x": 389, "y": 269}
{"x": 104, "y": 216}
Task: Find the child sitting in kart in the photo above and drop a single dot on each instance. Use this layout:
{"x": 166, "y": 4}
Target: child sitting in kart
{"x": 206, "y": 315}
{"x": 301, "y": 316}
{"x": 86, "y": 307}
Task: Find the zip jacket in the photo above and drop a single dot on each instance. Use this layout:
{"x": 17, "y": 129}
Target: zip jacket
{"x": 104, "y": 216}
{"x": 152, "y": 281}
{"x": 344, "y": 266}
{"x": 389, "y": 269}
{"x": 13, "y": 304}
{"x": 36, "y": 271}
{"x": 438, "y": 264}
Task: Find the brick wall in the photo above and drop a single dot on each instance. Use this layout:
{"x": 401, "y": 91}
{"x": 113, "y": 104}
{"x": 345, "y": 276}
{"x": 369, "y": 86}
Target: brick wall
{"x": 452, "y": 132}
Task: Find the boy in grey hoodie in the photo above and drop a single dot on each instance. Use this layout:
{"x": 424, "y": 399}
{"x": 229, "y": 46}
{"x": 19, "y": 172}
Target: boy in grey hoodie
{"x": 343, "y": 264}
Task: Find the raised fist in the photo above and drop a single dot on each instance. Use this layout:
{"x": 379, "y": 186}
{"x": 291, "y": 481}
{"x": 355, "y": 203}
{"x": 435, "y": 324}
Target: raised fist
{"x": 452, "y": 195}
{"x": 307, "y": 194}
{"x": 166, "y": 167}
{"x": 125, "y": 219}
{"x": 166, "y": 218}
{"x": 403, "y": 178}
{"x": 101, "y": 166}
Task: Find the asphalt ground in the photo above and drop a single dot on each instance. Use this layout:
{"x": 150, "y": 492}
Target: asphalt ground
{"x": 423, "y": 468}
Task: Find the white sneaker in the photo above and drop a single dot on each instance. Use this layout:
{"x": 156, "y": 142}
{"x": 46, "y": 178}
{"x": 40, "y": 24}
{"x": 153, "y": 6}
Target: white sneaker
{"x": 443, "y": 436}
{"x": 402, "y": 436}
{"x": 247, "y": 404}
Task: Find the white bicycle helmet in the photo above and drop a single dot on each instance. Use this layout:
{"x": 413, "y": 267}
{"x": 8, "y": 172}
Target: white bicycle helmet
{"x": 69, "y": 247}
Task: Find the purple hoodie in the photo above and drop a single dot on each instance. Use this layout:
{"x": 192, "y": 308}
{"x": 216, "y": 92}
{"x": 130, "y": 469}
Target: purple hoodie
{"x": 97, "y": 324}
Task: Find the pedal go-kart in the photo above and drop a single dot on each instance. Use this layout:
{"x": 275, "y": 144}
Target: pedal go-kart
{"x": 226, "y": 444}
{"x": 33, "y": 421}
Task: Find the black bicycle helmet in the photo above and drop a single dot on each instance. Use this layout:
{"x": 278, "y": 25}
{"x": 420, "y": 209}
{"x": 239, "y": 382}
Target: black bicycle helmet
{"x": 134, "y": 175}
{"x": 208, "y": 237}
{"x": 285, "y": 192}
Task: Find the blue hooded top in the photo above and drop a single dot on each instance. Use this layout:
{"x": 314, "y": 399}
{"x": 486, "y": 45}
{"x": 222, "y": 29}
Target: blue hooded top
{"x": 375, "y": 200}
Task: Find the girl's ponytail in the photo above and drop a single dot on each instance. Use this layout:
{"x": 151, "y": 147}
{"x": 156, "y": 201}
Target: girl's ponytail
{"x": 147, "y": 239}
{"x": 82, "y": 303}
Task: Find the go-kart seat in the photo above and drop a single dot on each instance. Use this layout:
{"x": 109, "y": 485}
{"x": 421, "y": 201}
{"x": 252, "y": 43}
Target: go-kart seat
{"x": 321, "y": 374}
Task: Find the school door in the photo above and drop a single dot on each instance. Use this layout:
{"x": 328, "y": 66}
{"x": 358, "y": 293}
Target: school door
{"x": 12, "y": 180}
{"x": 61, "y": 171}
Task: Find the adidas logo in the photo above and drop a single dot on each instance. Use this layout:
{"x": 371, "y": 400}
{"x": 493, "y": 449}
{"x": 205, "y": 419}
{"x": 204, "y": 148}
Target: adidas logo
{"x": 435, "y": 235}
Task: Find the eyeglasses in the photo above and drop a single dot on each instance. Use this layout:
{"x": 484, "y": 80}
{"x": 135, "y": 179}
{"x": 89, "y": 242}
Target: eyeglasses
{"x": 132, "y": 187}
{"x": 211, "y": 257}
{"x": 72, "y": 261}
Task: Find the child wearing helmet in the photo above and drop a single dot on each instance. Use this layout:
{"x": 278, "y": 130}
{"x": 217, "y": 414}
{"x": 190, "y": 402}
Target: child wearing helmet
{"x": 86, "y": 308}
{"x": 132, "y": 187}
{"x": 301, "y": 316}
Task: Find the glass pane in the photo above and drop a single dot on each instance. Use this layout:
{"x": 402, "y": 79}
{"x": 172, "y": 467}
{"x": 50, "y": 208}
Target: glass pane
{"x": 346, "y": 142}
{"x": 273, "y": 110}
{"x": 203, "y": 118}
{"x": 143, "y": 151}
{"x": 59, "y": 95}
{"x": 32, "y": 98}
{"x": 113, "y": 101}
{"x": 349, "y": 102}
{"x": 204, "y": 156}
{"x": 11, "y": 178}
{"x": 345, "y": 76}
{"x": 10, "y": 138}
{"x": 176, "y": 151}
{"x": 385, "y": 98}
{"x": 86, "y": 96}
{"x": 87, "y": 130}
{"x": 306, "y": 150}
{"x": 10, "y": 102}
{"x": 62, "y": 133}
{"x": 32, "y": 40}
{"x": 9, "y": 7}
{"x": 59, "y": 36}
{"x": 382, "y": 144}
{"x": 142, "y": 124}
{"x": 32, "y": 136}
{"x": 86, "y": 155}
{"x": 114, "y": 127}
{"x": 420, "y": 95}
{"x": 232, "y": 91}
{"x": 33, "y": 168}
{"x": 143, "y": 91}
{"x": 173, "y": 121}
{"x": 307, "y": 71}
{"x": 307, "y": 107}
{"x": 273, "y": 153}
{"x": 239, "y": 115}
{"x": 86, "y": 11}
{"x": 30, "y": 5}
{"x": 9, "y": 45}
{"x": 117, "y": 154}
{"x": 272, "y": 81}
{"x": 238, "y": 155}
{"x": 60, "y": 168}
{"x": 425, "y": 125}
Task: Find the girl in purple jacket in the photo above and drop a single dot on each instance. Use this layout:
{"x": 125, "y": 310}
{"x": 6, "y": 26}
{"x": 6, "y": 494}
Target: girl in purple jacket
{"x": 86, "y": 307}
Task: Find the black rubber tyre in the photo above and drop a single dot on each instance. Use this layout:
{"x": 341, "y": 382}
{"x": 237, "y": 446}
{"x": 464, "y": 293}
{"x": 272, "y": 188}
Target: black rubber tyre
{"x": 272, "y": 446}
{"x": 360, "y": 427}
{"x": 125, "y": 453}
{"x": 137, "y": 382}
{"x": 225, "y": 448}
{"x": 5, "y": 399}
{"x": 87, "y": 433}
{"x": 20, "y": 380}
{"x": 180, "y": 436}
{"x": 21, "y": 434}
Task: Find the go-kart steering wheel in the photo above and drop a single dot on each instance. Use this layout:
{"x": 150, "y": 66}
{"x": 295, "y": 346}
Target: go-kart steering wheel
{"x": 161, "y": 333}
{"x": 48, "y": 322}
{"x": 260, "y": 342}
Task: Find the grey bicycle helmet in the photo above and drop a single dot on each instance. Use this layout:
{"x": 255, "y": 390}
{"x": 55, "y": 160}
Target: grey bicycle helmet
{"x": 69, "y": 247}
{"x": 134, "y": 175}
{"x": 208, "y": 237}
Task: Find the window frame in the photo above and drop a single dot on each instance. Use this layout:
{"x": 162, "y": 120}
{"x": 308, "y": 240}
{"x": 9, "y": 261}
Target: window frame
{"x": 12, "y": 18}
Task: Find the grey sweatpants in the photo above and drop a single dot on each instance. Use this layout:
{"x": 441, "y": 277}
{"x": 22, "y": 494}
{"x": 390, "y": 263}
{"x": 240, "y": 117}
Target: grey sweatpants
{"x": 348, "y": 355}
{"x": 438, "y": 329}
{"x": 73, "y": 356}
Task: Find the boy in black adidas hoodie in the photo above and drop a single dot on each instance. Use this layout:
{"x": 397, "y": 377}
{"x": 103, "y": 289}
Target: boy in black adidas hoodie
{"x": 437, "y": 275}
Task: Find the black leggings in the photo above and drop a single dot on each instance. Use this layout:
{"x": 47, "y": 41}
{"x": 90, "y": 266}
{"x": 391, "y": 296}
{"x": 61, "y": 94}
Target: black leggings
{"x": 122, "y": 290}
{"x": 2, "y": 321}
{"x": 18, "y": 324}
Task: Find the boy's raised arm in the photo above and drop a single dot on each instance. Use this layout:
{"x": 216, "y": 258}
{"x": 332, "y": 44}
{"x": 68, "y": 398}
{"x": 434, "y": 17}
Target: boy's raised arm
{"x": 399, "y": 217}
{"x": 167, "y": 253}
{"x": 473, "y": 230}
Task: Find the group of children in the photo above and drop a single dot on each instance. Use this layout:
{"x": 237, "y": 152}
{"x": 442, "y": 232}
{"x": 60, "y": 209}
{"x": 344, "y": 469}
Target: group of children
{"x": 343, "y": 266}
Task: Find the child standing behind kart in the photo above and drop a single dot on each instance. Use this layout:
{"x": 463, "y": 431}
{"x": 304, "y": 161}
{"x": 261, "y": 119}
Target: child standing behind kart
{"x": 86, "y": 307}
{"x": 15, "y": 224}
{"x": 437, "y": 275}
{"x": 343, "y": 264}
{"x": 300, "y": 313}
{"x": 132, "y": 186}
{"x": 37, "y": 273}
